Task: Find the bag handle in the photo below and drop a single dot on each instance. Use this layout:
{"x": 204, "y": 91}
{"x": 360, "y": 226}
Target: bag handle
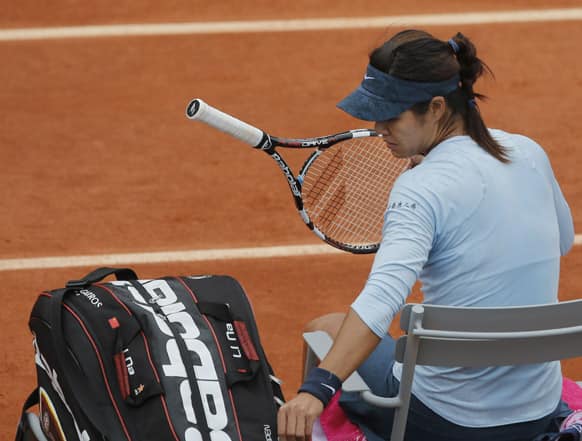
{"x": 223, "y": 313}
{"x": 99, "y": 274}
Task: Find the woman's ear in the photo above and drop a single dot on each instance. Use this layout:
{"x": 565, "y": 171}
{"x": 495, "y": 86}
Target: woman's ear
{"x": 437, "y": 108}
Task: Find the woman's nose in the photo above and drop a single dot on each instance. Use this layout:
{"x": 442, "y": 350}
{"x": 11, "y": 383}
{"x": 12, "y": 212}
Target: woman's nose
{"x": 381, "y": 127}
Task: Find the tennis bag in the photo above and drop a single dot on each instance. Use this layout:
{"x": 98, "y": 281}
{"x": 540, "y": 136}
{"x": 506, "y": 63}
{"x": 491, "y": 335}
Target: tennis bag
{"x": 171, "y": 359}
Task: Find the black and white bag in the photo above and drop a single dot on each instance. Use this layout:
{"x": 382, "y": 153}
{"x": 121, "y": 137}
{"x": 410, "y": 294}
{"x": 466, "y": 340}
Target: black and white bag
{"x": 170, "y": 359}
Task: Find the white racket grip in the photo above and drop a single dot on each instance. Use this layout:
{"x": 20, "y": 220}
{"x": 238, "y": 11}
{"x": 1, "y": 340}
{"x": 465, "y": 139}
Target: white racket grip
{"x": 198, "y": 110}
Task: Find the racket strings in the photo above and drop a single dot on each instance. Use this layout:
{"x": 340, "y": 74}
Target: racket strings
{"x": 346, "y": 189}
{"x": 361, "y": 212}
{"x": 352, "y": 222}
{"x": 323, "y": 183}
{"x": 374, "y": 174}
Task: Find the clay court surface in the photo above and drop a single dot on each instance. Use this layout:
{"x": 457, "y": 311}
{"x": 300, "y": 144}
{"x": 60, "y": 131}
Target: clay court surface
{"x": 97, "y": 157}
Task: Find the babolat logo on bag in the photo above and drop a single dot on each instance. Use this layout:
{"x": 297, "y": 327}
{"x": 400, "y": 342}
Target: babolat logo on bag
{"x": 172, "y": 359}
{"x": 188, "y": 365}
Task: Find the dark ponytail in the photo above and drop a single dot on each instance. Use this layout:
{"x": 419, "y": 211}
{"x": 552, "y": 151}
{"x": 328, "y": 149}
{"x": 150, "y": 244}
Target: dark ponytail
{"x": 418, "y": 56}
{"x": 471, "y": 68}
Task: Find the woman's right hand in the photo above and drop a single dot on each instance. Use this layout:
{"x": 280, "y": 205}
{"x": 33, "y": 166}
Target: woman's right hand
{"x": 296, "y": 417}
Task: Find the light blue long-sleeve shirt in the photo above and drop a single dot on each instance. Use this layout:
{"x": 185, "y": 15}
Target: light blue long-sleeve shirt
{"x": 476, "y": 232}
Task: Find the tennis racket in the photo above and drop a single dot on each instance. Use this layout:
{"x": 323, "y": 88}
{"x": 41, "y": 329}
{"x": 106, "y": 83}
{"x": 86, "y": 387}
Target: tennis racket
{"x": 341, "y": 192}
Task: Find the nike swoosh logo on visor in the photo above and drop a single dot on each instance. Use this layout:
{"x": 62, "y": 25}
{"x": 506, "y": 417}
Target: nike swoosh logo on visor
{"x": 367, "y": 77}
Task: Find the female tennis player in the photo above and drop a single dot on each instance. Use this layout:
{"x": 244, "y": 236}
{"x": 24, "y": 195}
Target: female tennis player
{"x": 481, "y": 221}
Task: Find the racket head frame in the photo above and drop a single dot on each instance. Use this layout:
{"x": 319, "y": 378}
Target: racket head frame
{"x": 295, "y": 183}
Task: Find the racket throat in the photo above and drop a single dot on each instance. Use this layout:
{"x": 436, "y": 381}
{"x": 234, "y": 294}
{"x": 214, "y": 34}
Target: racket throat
{"x": 294, "y": 185}
{"x": 265, "y": 144}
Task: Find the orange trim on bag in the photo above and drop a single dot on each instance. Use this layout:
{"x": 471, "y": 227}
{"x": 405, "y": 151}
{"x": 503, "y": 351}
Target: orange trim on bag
{"x": 245, "y": 340}
{"x": 122, "y": 374}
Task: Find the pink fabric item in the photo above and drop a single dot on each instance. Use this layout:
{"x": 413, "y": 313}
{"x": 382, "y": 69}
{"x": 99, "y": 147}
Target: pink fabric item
{"x": 336, "y": 425}
{"x": 572, "y": 419}
{"x": 572, "y": 394}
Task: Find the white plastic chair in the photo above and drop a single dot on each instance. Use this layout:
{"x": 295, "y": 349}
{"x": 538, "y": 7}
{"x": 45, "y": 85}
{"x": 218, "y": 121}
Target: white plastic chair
{"x": 469, "y": 337}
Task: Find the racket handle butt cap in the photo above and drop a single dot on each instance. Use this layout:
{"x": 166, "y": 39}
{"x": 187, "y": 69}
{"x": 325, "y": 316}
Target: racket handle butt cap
{"x": 193, "y": 108}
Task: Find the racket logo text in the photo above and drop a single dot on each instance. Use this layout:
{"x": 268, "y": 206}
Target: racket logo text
{"x": 290, "y": 178}
{"x": 315, "y": 143}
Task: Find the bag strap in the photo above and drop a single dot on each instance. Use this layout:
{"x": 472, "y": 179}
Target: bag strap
{"x": 75, "y": 383}
{"x": 189, "y": 367}
{"x": 223, "y": 313}
{"x": 99, "y": 274}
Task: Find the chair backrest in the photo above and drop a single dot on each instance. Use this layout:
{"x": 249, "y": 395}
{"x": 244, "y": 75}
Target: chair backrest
{"x": 477, "y": 337}
{"x": 508, "y": 318}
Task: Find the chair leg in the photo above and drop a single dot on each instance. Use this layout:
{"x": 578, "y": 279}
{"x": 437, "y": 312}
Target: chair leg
{"x": 399, "y": 426}
{"x": 406, "y": 379}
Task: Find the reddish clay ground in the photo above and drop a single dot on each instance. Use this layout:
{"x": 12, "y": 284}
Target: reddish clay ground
{"x": 97, "y": 156}
{"x": 32, "y": 14}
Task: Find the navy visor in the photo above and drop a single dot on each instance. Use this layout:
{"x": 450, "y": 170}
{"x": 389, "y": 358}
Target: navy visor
{"x": 381, "y": 96}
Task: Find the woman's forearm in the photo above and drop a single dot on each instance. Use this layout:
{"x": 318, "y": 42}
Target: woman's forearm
{"x": 354, "y": 342}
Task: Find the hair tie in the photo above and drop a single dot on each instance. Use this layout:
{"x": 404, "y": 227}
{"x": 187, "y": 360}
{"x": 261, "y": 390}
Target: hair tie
{"x": 454, "y": 45}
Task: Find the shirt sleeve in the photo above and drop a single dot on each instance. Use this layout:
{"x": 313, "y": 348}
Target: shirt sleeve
{"x": 409, "y": 229}
{"x": 565, "y": 222}
{"x": 564, "y": 216}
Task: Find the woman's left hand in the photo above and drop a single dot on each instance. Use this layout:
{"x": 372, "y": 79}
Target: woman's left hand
{"x": 295, "y": 419}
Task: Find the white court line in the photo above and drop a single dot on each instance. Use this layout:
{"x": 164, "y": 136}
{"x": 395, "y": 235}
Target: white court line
{"x": 166, "y": 256}
{"x": 175, "y": 256}
{"x": 310, "y": 24}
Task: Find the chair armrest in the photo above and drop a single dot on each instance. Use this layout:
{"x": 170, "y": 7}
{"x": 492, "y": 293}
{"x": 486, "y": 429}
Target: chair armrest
{"x": 318, "y": 344}
{"x": 379, "y": 401}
